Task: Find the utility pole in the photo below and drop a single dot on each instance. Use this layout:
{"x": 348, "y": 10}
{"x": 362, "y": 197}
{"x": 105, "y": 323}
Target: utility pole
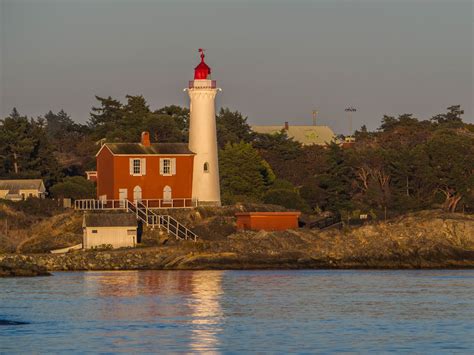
{"x": 315, "y": 114}
{"x": 350, "y": 111}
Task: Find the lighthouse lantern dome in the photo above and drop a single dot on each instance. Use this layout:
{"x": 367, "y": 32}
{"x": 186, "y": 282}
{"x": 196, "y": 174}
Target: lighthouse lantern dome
{"x": 202, "y": 71}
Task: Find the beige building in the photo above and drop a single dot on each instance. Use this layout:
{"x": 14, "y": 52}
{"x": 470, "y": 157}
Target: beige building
{"x": 118, "y": 230}
{"x": 306, "y": 135}
{"x": 21, "y": 189}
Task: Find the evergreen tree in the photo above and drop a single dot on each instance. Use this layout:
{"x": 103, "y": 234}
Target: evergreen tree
{"x": 451, "y": 162}
{"x": 232, "y": 127}
{"x": 178, "y": 113}
{"x": 17, "y": 144}
{"x": 452, "y": 118}
{"x": 25, "y": 149}
{"x": 106, "y": 117}
{"x": 244, "y": 174}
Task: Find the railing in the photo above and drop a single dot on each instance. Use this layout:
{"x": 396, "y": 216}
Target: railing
{"x": 91, "y": 204}
{"x": 171, "y": 225}
{"x": 326, "y": 222}
{"x": 173, "y": 203}
{"x": 202, "y": 84}
{"x": 143, "y": 212}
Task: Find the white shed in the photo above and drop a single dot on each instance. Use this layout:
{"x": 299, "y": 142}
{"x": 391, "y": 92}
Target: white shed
{"x": 118, "y": 230}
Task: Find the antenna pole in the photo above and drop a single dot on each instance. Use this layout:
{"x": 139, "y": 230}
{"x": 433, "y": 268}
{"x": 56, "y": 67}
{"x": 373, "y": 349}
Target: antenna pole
{"x": 315, "y": 114}
{"x": 350, "y": 110}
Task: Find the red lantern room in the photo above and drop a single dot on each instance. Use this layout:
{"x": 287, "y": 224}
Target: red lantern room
{"x": 202, "y": 71}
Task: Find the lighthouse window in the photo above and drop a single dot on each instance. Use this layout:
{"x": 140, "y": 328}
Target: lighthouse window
{"x": 206, "y": 167}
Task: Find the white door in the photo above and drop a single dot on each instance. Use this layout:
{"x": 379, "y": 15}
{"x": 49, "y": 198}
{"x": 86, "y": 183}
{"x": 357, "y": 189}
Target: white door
{"x": 123, "y": 195}
{"x": 167, "y": 194}
{"x": 137, "y": 194}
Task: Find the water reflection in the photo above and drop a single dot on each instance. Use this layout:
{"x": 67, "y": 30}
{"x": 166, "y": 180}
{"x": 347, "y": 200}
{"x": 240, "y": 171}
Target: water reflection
{"x": 206, "y": 310}
{"x": 158, "y": 297}
{"x": 240, "y": 311}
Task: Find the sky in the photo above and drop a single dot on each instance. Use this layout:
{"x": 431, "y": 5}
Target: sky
{"x": 275, "y": 61}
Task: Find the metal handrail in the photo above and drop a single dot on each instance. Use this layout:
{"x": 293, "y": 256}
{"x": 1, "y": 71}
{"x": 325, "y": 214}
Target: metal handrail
{"x": 166, "y": 221}
{"x": 142, "y": 212}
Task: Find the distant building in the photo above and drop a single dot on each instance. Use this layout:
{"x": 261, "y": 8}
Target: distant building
{"x": 306, "y": 135}
{"x": 118, "y": 230}
{"x": 348, "y": 142}
{"x": 21, "y": 189}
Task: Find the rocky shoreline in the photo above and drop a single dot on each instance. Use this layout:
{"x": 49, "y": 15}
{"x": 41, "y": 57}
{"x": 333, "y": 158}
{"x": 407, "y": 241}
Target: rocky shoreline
{"x": 36, "y": 265}
{"x": 21, "y": 267}
{"x": 418, "y": 241}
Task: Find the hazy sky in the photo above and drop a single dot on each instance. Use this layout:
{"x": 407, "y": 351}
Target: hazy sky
{"x": 275, "y": 60}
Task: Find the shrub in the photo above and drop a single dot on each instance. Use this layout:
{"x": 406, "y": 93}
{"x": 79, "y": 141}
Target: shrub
{"x": 286, "y": 198}
{"x": 281, "y": 184}
{"x": 74, "y": 187}
{"x": 36, "y": 207}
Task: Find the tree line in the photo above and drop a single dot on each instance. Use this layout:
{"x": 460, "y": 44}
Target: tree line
{"x": 406, "y": 164}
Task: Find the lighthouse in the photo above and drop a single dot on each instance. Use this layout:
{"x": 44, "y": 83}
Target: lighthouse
{"x": 202, "y": 135}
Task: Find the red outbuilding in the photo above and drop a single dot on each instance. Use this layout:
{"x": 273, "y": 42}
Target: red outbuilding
{"x": 270, "y": 221}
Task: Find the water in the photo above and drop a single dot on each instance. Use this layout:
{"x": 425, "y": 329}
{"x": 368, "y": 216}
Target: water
{"x": 239, "y": 311}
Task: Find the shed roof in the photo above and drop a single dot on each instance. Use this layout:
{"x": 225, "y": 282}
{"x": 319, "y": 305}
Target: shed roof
{"x": 155, "y": 148}
{"x": 22, "y": 184}
{"x": 109, "y": 220}
{"x": 306, "y": 135}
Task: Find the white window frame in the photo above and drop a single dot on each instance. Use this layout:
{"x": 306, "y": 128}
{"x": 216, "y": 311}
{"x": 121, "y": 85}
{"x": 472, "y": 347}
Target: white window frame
{"x": 167, "y": 166}
{"x": 141, "y": 166}
{"x": 137, "y": 167}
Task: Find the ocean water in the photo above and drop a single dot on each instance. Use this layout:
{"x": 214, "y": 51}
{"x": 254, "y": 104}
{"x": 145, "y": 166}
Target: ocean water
{"x": 307, "y": 311}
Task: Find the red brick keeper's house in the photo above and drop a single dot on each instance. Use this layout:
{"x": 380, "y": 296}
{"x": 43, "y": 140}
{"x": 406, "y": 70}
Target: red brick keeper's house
{"x": 157, "y": 174}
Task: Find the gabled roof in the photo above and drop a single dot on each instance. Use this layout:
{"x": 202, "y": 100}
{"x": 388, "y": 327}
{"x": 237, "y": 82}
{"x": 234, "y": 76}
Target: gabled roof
{"x": 109, "y": 220}
{"x": 155, "y": 148}
{"x": 14, "y": 186}
{"x": 306, "y": 135}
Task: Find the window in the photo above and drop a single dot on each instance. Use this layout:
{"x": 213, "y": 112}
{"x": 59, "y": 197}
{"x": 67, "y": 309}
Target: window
{"x": 206, "y": 167}
{"x": 94, "y": 231}
{"x": 168, "y": 166}
{"x": 137, "y": 166}
{"x": 131, "y": 232}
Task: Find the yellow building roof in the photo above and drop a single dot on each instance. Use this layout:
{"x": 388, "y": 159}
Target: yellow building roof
{"x": 22, "y": 184}
{"x": 306, "y": 135}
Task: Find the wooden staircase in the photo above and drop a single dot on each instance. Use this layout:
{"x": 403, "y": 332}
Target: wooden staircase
{"x": 165, "y": 222}
{"x": 143, "y": 213}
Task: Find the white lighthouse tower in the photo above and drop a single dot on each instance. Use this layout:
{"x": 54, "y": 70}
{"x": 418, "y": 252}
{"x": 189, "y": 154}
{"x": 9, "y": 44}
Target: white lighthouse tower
{"x": 202, "y": 135}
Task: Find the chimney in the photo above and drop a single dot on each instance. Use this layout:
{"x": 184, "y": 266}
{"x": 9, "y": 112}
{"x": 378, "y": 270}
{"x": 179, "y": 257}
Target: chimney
{"x": 287, "y": 126}
{"x": 146, "y": 139}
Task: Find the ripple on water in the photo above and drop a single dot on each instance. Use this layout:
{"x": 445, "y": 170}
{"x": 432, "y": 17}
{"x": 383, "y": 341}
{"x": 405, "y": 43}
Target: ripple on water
{"x": 266, "y": 311}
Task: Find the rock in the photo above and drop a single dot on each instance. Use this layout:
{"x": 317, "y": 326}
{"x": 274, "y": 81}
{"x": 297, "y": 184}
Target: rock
{"x": 11, "y": 268}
